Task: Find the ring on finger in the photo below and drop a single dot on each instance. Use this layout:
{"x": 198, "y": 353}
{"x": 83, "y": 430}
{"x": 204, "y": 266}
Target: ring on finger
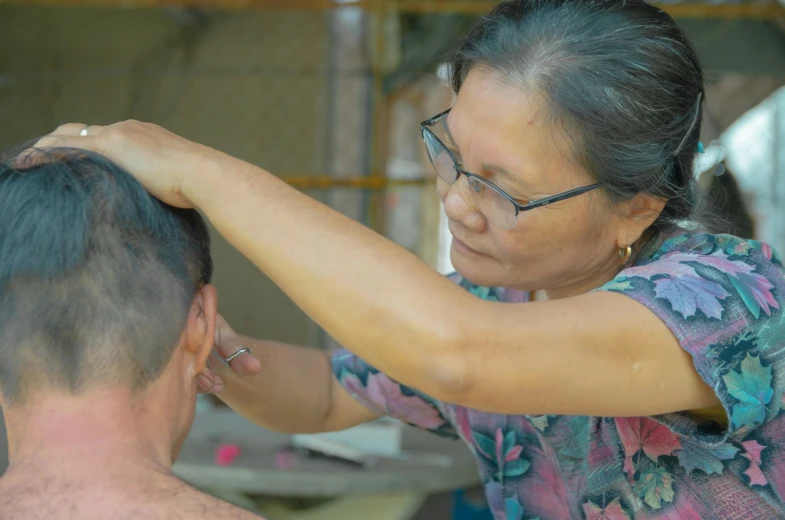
{"x": 231, "y": 358}
{"x": 241, "y": 351}
{"x": 83, "y": 132}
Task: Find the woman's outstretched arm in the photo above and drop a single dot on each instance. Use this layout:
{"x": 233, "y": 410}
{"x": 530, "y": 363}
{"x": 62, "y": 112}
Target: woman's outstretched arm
{"x": 598, "y": 354}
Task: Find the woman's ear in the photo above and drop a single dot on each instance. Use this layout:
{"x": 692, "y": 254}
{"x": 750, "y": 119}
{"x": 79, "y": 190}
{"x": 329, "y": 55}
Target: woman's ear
{"x": 639, "y": 214}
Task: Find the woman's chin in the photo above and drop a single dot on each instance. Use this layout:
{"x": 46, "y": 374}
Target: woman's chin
{"x": 477, "y": 271}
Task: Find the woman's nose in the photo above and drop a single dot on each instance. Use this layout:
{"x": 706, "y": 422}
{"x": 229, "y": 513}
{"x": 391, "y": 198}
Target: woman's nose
{"x": 460, "y": 206}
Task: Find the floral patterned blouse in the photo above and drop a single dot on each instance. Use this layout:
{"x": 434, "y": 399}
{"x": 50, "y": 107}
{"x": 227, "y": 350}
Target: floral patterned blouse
{"x": 722, "y": 297}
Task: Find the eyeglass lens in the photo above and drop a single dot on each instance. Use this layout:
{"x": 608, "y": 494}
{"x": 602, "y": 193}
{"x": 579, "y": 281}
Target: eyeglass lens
{"x": 497, "y": 208}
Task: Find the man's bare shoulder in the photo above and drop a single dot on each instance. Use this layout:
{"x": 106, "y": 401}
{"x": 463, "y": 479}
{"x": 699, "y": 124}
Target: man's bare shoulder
{"x": 164, "y": 499}
{"x": 208, "y": 507}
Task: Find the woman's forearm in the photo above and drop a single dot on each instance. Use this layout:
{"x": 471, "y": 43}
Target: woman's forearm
{"x": 374, "y": 297}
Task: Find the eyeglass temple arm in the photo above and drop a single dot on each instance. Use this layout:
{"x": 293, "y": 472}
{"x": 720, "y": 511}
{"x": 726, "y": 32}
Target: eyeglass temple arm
{"x": 431, "y": 121}
{"x": 557, "y": 198}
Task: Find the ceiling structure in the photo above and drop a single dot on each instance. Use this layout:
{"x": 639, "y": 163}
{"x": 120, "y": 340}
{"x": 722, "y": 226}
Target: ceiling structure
{"x": 759, "y": 9}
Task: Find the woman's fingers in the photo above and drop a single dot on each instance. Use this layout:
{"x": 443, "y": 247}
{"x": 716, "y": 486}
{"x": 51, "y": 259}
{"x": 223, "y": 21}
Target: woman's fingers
{"x": 44, "y": 150}
{"x": 71, "y": 135}
{"x": 209, "y": 382}
{"x": 155, "y": 157}
{"x": 218, "y": 385}
{"x": 77, "y": 129}
{"x": 205, "y": 381}
{"x": 88, "y": 142}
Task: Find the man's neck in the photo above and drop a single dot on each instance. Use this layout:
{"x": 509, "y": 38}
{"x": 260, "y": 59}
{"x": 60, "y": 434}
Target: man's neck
{"x": 92, "y": 434}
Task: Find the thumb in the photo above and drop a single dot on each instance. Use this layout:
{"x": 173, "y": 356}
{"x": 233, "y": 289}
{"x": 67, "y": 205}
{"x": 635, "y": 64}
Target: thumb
{"x": 227, "y": 346}
{"x": 244, "y": 364}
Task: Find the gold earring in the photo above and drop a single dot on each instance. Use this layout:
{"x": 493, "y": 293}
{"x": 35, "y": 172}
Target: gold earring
{"x": 624, "y": 254}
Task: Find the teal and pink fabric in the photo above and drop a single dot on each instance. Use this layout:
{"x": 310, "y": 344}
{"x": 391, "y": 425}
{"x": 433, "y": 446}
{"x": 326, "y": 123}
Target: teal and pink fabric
{"x": 723, "y": 299}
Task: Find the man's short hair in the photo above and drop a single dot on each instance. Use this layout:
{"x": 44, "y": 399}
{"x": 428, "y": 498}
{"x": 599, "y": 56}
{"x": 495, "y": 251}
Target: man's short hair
{"x": 96, "y": 275}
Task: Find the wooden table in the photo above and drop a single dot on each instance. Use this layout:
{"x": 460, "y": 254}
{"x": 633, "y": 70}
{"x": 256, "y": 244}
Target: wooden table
{"x": 400, "y": 485}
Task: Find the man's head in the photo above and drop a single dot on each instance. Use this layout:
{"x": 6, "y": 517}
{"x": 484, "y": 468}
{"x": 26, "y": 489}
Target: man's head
{"x": 101, "y": 284}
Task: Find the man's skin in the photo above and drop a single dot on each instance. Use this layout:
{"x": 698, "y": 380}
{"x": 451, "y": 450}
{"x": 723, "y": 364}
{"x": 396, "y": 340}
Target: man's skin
{"x": 107, "y": 453}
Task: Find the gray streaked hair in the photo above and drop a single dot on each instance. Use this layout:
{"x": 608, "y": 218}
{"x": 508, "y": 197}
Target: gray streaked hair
{"x": 620, "y": 81}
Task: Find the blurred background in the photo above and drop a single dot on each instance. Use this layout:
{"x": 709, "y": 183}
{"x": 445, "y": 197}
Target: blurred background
{"x": 328, "y": 94}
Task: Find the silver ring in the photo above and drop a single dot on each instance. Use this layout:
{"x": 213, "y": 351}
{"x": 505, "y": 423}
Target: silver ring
{"x": 241, "y": 351}
{"x": 231, "y": 358}
{"x": 83, "y": 132}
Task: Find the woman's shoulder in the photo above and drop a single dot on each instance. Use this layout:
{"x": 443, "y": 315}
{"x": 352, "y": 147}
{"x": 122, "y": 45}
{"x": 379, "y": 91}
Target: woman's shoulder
{"x": 707, "y": 274}
{"x": 711, "y": 245}
{"x": 723, "y": 298}
{"x": 717, "y": 257}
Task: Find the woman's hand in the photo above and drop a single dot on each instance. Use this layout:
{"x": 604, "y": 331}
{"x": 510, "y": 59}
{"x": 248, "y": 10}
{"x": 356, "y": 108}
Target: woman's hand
{"x": 163, "y": 162}
{"x": 226, "y": 343}
{"x": 295, "y": 390}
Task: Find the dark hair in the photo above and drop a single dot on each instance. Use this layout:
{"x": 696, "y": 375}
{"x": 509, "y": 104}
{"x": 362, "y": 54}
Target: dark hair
{"x": 725, "y": 202}
{"x": 618, "y": 77}
{"x": 96, "y": 275}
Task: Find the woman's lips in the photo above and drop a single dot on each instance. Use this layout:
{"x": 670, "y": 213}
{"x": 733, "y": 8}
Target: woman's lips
{"x": 462, "y": 247}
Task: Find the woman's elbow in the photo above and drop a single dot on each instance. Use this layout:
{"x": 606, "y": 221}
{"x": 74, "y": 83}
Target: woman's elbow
{"x": 449, "y": 370}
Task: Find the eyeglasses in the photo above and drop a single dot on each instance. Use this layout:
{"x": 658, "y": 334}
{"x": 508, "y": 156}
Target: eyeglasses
{"x": 499, "y": 208}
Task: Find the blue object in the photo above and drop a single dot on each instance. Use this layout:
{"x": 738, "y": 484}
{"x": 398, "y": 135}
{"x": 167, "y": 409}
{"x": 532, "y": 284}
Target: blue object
{"x": 470, "y": 505}
{"x": 700, "y": 147}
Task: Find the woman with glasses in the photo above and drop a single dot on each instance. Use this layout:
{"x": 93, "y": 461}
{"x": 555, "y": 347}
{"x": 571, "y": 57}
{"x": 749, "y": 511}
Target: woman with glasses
{"x": 649, "y": 381}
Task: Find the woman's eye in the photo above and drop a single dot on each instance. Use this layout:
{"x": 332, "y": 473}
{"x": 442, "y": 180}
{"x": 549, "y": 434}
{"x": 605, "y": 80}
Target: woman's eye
{"x": 457, "y": 157}
{"x": 517, "y": 198}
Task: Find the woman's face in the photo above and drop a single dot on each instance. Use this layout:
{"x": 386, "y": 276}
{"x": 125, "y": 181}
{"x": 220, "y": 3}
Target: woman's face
{"x": 499, "y": 132}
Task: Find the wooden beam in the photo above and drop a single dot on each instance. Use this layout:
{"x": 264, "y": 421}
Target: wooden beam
{"x": 371, "y": 182}
{"x": 681, "y": 10}
{"x": 694, "y": 10}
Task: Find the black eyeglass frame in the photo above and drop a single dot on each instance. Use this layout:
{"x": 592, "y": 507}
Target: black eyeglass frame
{"x": 425, "y": 127}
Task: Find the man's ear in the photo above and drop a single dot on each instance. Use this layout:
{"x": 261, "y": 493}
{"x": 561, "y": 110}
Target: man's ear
{"x": 200, "y": 329}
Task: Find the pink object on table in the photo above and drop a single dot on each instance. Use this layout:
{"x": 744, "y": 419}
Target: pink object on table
{"x": 285, "y": 459}
{"x": 226, "y": 453}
